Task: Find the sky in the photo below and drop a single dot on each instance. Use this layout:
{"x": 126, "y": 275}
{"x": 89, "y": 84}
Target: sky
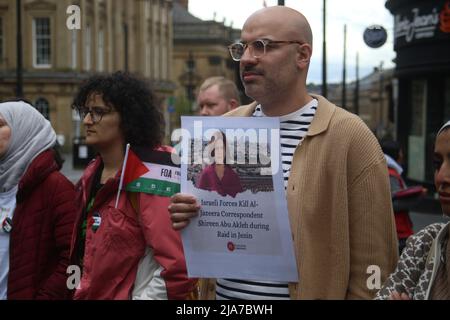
{"x": 356, "y": 14}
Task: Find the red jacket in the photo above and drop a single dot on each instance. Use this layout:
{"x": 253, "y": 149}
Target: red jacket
{"x": 113, "y": 251}
{"x": 403, "y": 222}
{"x": 42, "y": 228}
{"x": 230, "y": 184}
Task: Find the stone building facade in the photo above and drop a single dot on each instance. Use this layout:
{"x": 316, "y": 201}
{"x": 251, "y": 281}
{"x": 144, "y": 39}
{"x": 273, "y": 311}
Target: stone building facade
{"x": 131, "y": 35}
{"x": 200, "y": 51}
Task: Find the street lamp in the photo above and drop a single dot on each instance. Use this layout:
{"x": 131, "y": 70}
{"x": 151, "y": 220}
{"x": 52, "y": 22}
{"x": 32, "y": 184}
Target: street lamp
{"x": 356, "y": 94}
{"x": 324, "y": 51}
{"x": 381, "y": 89}
{"x": 344, "y": 71}
{"x": 19, "y": 71}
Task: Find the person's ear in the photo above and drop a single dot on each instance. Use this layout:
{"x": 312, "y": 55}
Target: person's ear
{"x": 233, "y": 104}
{"x": 304, "y": 53}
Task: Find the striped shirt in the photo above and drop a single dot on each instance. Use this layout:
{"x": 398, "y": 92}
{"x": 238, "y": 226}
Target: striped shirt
{"x": 293, "y": 130}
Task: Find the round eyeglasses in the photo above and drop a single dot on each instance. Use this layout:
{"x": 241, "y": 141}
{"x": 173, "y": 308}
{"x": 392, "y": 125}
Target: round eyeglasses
{"x": 96, "y": 113}
{"x": 257, "y": 48}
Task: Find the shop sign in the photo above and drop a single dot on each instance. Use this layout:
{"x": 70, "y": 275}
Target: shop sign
{"x": 422, "y": 25}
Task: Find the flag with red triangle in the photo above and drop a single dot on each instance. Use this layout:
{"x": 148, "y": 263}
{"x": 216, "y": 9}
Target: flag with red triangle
{"x": 151, "y": 171}
{"x": 134, "y": 169}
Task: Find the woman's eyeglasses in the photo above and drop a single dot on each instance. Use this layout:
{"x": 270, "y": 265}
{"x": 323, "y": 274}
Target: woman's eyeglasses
{"x": 96, "y": 113}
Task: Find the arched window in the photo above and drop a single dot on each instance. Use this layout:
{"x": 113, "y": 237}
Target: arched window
{"x": 43, "y": 107}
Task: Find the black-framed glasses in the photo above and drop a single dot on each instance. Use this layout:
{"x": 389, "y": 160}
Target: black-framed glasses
{"x": 257, "y": 48}
{"x": 96, "y": 113}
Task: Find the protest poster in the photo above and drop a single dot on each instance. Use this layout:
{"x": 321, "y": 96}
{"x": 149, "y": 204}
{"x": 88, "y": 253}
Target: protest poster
{"x": 232, "y": 165}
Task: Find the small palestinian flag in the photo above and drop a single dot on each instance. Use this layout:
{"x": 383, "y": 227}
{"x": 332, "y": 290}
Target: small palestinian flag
{"x": 151, "y": 171}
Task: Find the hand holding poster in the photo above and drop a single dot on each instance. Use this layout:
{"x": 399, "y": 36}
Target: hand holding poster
{"x": 242, "y": 232}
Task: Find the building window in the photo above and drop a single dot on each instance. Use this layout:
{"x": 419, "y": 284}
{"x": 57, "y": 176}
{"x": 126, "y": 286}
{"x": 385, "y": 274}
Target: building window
{"x": 215, "y": 60}
{"x": 43, "y": 107}
{"x": 148, "y": 55}
{"x": 101, "y": 52}
{"x": 417, "y": 135}
{"x": 231, "y": 64}
{"x": 1, "y": 39}
{"x": 41, "y": 43}
{"x": 164, "y": 62}
{"x": 87, "y": 47}
{"x": 156, "y": 57}
{"x": 418, "y": 107}
{"x": 74, "y": 49}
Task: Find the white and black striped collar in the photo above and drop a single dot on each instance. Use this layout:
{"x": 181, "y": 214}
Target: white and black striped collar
{"x": 302, "y": 112}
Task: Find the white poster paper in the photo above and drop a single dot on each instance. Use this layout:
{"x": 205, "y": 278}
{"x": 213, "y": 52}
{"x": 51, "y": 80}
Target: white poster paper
{"x": 242, "y": 230}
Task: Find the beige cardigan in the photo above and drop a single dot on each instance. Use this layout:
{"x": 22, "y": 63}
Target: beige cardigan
{"x": 339, "y": 206}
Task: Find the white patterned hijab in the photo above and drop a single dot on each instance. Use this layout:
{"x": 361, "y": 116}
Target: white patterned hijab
{"x": 31, "y": 134}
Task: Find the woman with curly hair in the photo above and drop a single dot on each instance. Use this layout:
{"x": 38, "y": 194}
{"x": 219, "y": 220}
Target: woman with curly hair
{"x": 128, "y": 252}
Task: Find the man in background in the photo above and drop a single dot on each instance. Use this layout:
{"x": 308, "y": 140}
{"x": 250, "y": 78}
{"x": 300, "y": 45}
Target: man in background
{"x": 217, "y": 96}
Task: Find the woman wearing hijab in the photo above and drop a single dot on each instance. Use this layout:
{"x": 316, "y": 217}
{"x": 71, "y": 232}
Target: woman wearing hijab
{"x": 423, "y": 271}
{"x": 126, "y": 250}
{"x": 36, "y": 207}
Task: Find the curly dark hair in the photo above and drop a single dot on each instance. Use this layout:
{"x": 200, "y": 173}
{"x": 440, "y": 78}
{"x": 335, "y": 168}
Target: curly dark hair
{"x": 132, "y": 97}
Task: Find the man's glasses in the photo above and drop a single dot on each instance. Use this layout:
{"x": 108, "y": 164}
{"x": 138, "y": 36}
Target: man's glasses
{"x": 257, "y": 48}
{"x": 96, "y": 113}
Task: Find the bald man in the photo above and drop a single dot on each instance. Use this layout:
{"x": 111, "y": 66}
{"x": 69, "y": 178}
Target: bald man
{"x": 337, "y": 187}
{"x": 216, "y": 96}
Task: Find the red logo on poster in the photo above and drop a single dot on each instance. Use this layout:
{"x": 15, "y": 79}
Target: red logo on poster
{"x": 231, "y": 246}
{"x": 445, "y": 18}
